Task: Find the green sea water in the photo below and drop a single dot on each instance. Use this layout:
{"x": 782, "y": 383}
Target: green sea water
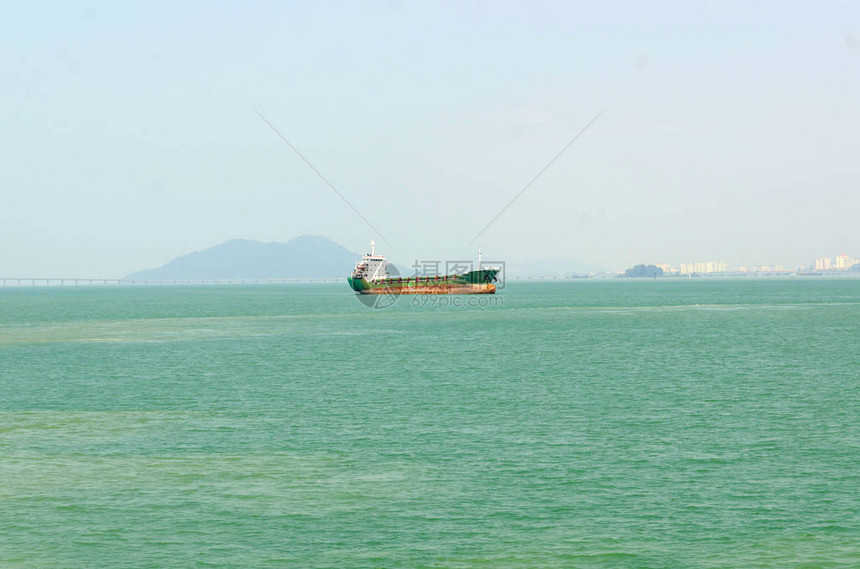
{"x": 695, "y": 423}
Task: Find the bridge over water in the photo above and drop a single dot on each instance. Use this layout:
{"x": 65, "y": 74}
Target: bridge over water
{"x": 77, "y": 281}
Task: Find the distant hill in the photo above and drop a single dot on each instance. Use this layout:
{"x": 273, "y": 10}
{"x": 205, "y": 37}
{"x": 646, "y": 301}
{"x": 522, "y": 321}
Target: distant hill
{"x": 647, "y": 271}
{"x": 303, "y": 257}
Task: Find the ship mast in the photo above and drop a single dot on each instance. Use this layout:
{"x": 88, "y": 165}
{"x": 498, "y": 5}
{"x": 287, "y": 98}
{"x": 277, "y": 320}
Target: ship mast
{"x": 480, "y": 251}
{"x": 372, "y": 247}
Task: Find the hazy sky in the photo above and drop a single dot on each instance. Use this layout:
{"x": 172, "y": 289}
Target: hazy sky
{"x": 129, "y": 134}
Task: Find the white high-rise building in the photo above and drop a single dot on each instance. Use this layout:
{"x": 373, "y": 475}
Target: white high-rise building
{"x": 703, "y": 267}
{"x": 844, "y": 261}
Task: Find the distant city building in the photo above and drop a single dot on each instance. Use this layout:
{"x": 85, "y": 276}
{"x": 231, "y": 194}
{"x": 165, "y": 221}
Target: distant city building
{"x": 822, "y": 263}
{"x": 705, "y": 268}
{"x": 844, "y": 261}
{"x": 840, "y": 264}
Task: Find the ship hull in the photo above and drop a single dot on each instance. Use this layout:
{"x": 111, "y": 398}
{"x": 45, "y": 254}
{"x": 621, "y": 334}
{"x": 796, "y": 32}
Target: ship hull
{"x": 473, "y": 282}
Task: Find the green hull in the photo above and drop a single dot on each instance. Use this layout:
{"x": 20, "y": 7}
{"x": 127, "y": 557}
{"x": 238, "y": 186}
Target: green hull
{"x": 473, "y": 282}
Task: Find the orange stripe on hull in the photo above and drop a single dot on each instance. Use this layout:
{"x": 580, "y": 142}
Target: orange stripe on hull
{"x": 435, "y": 289}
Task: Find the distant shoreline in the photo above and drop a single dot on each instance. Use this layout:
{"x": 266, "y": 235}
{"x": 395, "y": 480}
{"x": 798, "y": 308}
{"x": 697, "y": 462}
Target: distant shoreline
{"x": 56, "y": 282}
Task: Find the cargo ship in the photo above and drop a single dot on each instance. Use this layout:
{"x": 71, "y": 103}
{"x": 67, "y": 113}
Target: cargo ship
{"x": 373, "y": 275}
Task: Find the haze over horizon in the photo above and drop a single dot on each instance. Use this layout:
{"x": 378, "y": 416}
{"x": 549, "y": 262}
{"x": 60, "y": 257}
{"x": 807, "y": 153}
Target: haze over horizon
{"x": 130, "y": 136}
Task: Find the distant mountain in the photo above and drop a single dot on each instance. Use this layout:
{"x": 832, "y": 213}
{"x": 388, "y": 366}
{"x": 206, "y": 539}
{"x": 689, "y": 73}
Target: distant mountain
{"x": 643, "y": 271}
{"x": 303, "y": 257}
